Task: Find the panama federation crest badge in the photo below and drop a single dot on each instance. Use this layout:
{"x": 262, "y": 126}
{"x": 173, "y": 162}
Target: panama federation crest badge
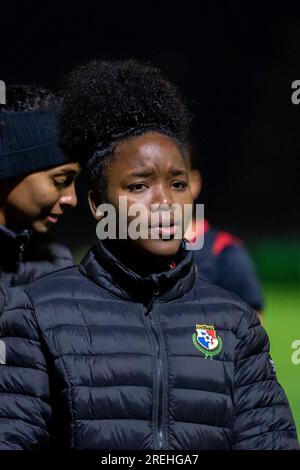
{"x": 206, "y": 341}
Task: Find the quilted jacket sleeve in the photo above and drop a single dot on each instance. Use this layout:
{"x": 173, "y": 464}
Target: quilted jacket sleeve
{"x": 263, "y": 417}
{"x": 25, "y": 411}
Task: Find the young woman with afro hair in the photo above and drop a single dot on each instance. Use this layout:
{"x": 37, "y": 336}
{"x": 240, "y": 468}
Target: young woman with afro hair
{"x": 132, "y": 349}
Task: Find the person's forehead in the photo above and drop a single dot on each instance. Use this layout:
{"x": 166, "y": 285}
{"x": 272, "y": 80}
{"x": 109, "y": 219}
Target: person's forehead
{"x": 139, "y": 164}
{"x": 146, "y": 152}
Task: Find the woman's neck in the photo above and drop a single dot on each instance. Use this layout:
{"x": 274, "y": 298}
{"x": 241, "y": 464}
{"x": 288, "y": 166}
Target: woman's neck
{"x": 2, "y": 217}
{"x": 137, "y": 261}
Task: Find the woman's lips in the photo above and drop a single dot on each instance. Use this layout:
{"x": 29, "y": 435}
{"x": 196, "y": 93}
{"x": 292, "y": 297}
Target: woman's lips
{"x": 167, "y": 231}
{"x": 52, "y": 219}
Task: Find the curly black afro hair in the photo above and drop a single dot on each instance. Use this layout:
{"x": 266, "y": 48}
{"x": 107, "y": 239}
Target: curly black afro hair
{"x": 106, "y": 102}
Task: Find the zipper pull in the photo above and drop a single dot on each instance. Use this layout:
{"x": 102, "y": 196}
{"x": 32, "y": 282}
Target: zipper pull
{"x": 156, "y": 291}
{"x": 155, "y": 287}
{"x": 21, "y": 251}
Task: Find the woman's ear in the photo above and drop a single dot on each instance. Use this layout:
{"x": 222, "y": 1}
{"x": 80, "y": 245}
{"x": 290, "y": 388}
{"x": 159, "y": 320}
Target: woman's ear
{"x": 195, "y": 180}
{"x": 94, "y": 202}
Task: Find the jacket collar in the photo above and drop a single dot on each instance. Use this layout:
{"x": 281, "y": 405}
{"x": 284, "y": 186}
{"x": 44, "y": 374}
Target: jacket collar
{"x": 107, "y": 271}
{"x": 12, "y": 246}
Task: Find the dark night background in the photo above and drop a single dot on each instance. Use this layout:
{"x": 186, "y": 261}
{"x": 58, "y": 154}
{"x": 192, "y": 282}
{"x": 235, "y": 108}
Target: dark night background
{"x": 235, "y": 63}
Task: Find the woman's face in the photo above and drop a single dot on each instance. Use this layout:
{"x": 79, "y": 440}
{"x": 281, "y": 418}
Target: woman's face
{"x": 150, "y": 169}
{"x": 39, "y": 199}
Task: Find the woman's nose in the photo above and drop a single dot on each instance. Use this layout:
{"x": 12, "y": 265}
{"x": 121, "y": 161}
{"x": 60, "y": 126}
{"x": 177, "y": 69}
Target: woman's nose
{"x": 163, "y": 198}
{"x": 69, "y": 197}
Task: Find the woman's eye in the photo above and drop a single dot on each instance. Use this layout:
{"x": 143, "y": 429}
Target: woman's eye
{"x": 63, "y": 181}
{"x": 60, "y": 181}
{"x": 137, "y": 187}
{"x": 179, "y": 184}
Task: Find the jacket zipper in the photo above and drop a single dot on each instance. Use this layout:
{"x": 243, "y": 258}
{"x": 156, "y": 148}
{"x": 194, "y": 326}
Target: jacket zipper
{"x": 21, "y": 252}
{"x": 159, "y": 408}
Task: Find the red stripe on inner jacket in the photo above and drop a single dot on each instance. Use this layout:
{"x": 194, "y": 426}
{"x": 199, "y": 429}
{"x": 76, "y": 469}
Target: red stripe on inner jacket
{"x": 172, "y": 265}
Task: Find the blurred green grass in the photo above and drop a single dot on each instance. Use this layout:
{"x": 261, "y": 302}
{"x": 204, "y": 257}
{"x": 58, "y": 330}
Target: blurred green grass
{"x": 277, "y": 262}
{"x": 282, "y": 322}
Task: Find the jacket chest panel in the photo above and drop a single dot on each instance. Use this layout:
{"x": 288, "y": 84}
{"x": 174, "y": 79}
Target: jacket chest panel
{"x": 122, "y": 364}
{"x": 199, "y": 379}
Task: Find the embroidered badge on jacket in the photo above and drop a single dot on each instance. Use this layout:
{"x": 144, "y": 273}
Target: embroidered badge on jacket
{"x": 207, "y": 341}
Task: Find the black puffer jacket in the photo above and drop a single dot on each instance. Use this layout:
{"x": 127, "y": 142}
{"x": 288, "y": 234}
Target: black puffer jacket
{"x": 26, "y": 256}
{"x": 96, "y": 357}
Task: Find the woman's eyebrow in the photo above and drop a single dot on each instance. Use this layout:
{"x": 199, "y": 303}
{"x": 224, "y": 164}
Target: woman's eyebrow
{"x": 178, "y": 172}
{"x": 146, "y": 173}
{"x": 142, "y": 173}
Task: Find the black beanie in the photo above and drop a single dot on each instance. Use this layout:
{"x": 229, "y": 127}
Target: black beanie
{"x": 28, "y": 142}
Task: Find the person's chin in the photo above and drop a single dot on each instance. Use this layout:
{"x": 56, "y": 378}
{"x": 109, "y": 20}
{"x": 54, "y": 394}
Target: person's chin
{"x": 160, "y": 247}
{"x": 40, "y": 226}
